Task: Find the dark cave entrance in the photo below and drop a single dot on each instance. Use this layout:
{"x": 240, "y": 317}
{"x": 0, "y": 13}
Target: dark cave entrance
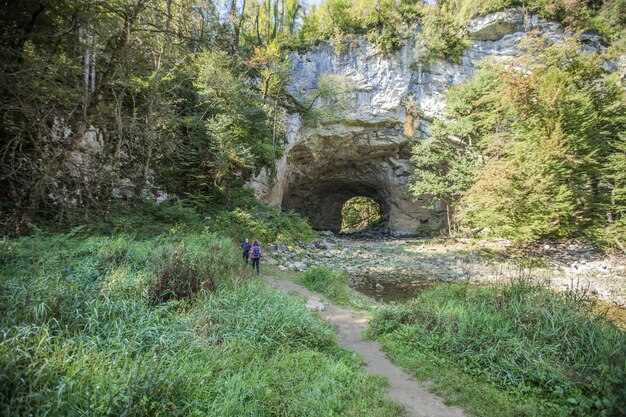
{"x": 323, "y": 202}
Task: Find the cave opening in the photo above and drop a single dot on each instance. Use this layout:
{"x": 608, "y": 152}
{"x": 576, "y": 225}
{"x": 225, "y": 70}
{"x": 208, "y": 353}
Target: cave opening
{"x": 359, "y": 214}
{"x": 323, "y": 203}
{"x": 317, "y": 185}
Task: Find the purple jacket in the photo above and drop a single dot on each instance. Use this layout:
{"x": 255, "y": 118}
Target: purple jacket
{"x": 252, "y": 252}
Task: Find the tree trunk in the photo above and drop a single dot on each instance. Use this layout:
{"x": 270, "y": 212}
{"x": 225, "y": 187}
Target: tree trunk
{"x": 233, "y": 21}
{"x": 154, "y": 104}
{"x": 276, "y": 23}
{"x": 448, "y": 218}
{"x": 257, "y": 25}
{"x": 92, "y": 75}
{"x": 86, "y": 59}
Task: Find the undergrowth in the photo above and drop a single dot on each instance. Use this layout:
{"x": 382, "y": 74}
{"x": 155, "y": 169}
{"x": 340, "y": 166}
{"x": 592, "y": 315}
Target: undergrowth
{"x": 531, "y": 351}
{"x": 243, "y": 217}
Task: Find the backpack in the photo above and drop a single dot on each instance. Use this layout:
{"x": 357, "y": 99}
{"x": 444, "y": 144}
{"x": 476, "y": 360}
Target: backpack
{"x": 256, "y": 251}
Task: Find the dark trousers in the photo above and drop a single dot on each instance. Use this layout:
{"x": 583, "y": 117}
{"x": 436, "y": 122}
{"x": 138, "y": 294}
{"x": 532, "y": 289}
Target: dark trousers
{"x": 256, "y": 261}
{"x": 245, "y": 257}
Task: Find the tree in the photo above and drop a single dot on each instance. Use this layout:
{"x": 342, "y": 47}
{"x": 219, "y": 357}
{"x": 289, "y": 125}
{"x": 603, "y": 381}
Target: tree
{"x": 530, "y": 149}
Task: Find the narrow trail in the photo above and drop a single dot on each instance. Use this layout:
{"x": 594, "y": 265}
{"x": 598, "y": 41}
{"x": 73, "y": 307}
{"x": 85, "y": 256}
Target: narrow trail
{"x": 350, "y": 325}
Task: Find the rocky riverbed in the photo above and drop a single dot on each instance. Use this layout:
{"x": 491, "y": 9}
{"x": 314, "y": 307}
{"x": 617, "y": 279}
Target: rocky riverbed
{"x": 392, "y": 269}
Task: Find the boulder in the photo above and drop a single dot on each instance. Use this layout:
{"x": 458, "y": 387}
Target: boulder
{"x": 495, "y": 26}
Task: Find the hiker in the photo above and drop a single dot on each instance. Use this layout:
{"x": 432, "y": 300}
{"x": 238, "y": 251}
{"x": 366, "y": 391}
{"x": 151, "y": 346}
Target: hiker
{"x": 255, "y": 254}
{"x": 245, "y": 246}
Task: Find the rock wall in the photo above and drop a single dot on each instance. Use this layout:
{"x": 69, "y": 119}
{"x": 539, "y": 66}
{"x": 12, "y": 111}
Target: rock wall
{"x": 363, "y": 148}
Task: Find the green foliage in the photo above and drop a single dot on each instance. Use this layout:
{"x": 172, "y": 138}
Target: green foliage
{"x": 383, "y": 22}
{"x": 441, "y": 35}
{"x": 616, "y": 230}
{"x": 610, "y": 20}
{"x": 334, "y": 285}
{"x": 226, "y": 139}
{"x": 547, "y": 352}
{"x": 464, "y": 10}
{"x": 359, "y": 213}
{"x": 527, "y": 147}
{"x": 237, "y": 215}
{"x": 446, "y": 162}
{"x": 443, "y": 171}
{"x": 265, "y": 224}
{"x": 81, "y": 336}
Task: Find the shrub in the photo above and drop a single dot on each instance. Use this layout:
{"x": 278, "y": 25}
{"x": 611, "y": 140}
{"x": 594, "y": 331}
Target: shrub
{"x": 197, "y": 263}
{"x": 180, "y": 277}
{"x": 265, "y": 224}
{"x": 441, "y": 36}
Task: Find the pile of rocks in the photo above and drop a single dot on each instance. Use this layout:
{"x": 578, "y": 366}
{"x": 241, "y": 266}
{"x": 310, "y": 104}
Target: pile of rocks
{"x": 304, "y": 255}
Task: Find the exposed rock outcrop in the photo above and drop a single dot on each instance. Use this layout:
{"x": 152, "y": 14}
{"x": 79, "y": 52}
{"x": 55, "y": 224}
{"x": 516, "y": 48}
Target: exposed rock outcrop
{"x": 362, "y": 147}
{"x": 495, "y": 26}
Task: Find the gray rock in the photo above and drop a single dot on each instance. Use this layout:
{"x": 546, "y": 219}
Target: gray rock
{"x": 315, "y": 305}
{"x": 495, "y": 26}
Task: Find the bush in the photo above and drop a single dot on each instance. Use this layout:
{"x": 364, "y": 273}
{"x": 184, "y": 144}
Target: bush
{"x": 441, "y": 36}
{"x": 180, "y": 277}
{"x": 265, "y": 224}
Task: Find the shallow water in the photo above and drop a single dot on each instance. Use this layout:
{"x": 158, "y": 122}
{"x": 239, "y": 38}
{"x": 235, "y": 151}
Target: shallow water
{"x": 615, "y": 313}
{"x": 392, "y": 291}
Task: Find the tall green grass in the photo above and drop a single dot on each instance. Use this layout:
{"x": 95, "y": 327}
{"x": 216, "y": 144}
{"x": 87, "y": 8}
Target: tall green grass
{"x": 531, "y": 351}
{"x": 81, "y": 334}
{"x": 334, "y": 285}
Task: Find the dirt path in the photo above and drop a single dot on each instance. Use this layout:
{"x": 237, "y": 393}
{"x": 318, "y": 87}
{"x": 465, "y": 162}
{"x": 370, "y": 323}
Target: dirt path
{"x": 350, "y": 325}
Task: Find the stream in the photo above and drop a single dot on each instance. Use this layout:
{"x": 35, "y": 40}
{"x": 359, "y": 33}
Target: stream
{"x": 390, "y": 291}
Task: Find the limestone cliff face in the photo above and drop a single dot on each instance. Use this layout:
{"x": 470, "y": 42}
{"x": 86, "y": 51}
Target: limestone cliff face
{"x": 362, "y": 148}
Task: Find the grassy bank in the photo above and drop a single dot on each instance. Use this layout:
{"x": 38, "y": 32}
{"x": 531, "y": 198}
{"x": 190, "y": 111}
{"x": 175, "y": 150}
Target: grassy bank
{"x": 527, "y": 350}
{"x": 334, "y": 285}
{"x": 159, "y": 322}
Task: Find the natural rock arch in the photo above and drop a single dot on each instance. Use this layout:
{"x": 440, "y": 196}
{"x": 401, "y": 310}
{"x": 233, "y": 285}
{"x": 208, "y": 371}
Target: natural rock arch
{"x": 362, "y": 147}
{"x": 325, "y": 172}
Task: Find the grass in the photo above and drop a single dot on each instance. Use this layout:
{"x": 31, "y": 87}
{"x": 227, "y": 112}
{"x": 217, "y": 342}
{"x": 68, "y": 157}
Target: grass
{"x": 334, "y": 285}
{"x": 530, "y": 351}
{"x": 83, "y": 332}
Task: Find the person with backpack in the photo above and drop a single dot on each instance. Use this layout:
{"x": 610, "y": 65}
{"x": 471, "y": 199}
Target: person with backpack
{"x": 255, "y": 254}
{"x": 245, "y": 246}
